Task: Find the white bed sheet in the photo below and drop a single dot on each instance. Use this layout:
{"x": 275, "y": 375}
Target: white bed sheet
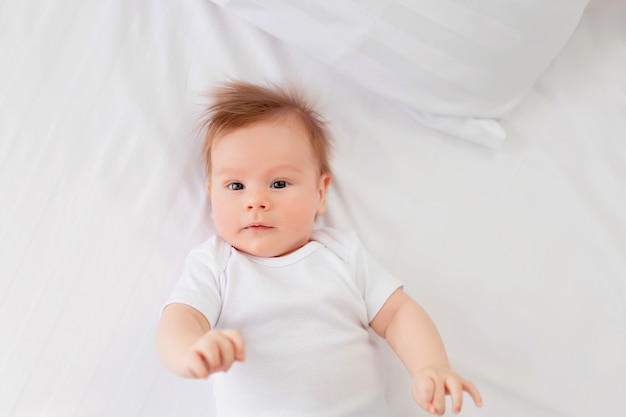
{"x": 518, "y": 254}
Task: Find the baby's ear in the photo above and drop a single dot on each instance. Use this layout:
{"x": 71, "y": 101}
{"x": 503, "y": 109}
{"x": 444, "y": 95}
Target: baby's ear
{"x": 208, "y": 188}
{"x": 323, "y": 187}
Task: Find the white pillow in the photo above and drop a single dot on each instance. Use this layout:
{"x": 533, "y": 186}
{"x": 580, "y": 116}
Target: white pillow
{"x": 456, "y": 65}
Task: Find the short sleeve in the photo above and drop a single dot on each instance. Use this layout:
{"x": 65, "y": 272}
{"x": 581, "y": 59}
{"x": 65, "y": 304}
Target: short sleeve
{"x": 373, "y": 279}
{"x": 200, "y": 285}
{"x": 374, "y": 282}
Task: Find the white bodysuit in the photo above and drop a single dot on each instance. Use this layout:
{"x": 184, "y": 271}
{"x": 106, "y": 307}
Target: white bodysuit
{"x": 304, "y": 318}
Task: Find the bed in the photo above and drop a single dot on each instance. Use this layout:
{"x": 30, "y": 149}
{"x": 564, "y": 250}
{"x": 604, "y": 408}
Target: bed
{"x": 498, "y": 200}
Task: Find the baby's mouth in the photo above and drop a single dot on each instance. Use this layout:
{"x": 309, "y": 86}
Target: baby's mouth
{"x": 258, "y": 227}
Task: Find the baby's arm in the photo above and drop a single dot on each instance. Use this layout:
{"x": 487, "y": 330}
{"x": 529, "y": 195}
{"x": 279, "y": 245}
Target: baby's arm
{"x": 188, "y": 347}
{"x": 413, "y": 336}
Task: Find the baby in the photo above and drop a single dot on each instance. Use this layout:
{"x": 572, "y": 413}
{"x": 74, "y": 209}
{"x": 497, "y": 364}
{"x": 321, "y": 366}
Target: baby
{"x": 277, "y": 312}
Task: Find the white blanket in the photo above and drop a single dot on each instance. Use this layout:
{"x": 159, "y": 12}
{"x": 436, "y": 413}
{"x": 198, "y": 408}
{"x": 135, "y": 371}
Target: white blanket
{"x": 518, "y": 254}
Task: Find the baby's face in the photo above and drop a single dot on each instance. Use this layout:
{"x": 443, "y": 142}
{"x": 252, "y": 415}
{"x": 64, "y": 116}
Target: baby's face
{"x": 265, "y": 187}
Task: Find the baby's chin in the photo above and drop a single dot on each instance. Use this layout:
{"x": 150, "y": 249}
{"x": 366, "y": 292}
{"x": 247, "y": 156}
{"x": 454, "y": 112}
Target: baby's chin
{"x": 268, "y": 252}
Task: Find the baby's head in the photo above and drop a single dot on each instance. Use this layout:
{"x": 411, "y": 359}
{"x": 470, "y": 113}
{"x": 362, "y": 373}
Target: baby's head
{"x": 239, "y": 104}
{"x": 267, "y": 155}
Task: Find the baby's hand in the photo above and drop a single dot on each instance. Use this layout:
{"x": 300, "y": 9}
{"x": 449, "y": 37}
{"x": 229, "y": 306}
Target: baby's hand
{"x": 432, "y": 383}
{"x": 216, "y": 351}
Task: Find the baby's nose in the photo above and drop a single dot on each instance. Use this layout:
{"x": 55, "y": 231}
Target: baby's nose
{"x": 252, "y": 206}
{"x": 258, "y": 200}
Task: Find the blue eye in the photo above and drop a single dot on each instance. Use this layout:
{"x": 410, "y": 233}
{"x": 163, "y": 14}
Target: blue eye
{"x": 279, "y": 184}
{"x": 235, "y": 186}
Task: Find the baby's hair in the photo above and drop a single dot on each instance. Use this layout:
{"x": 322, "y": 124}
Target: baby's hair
{"x": 237, "y": 104}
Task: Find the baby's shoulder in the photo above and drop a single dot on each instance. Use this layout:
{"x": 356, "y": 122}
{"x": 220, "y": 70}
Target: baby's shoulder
{"x": 342, "y": 242}
{"x": 213, "y": 252}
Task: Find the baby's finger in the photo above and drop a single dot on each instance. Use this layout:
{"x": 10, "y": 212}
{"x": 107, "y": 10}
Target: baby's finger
{"x": 227, "y": 353}
{"x": 454, "y": 387}
{"x": 473, "y": 392}
{"x": 196, "y": 366}
{"x": 423, "y": 391}
{"x": 439, "y": 396}
{"x": 210, "y": 351}
{"x": 236, "y": 338}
